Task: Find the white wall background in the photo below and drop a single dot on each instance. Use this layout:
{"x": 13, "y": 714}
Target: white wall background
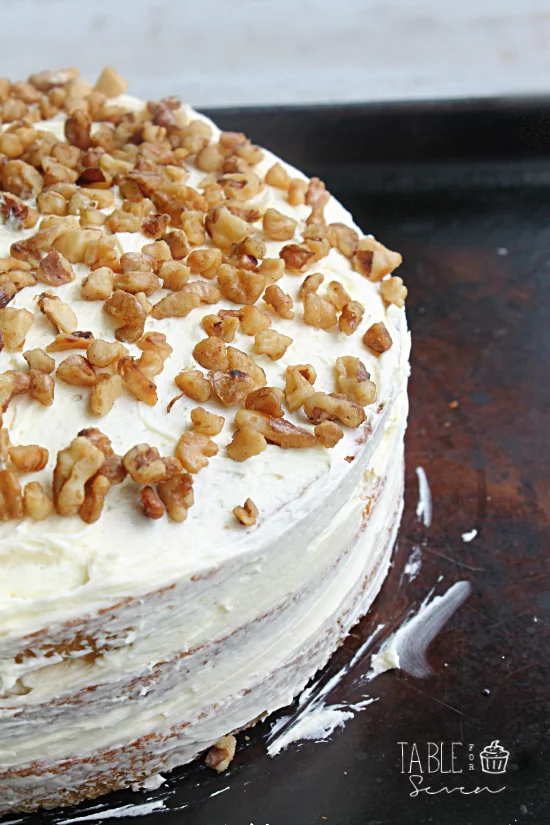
{"x": 230, "y": 52}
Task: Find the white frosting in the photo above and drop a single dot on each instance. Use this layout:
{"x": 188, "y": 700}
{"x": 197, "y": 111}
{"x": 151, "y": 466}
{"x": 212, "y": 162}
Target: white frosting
{"x": 254, "y": 609}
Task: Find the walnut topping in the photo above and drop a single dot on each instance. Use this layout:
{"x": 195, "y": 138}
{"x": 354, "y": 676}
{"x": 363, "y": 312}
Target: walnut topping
{"x": 104, "y": 353}
{"x": 75, "y": 465}
{"x": 15, "y": 212}
{"x": 174, "y": 275}
{"x": 74, "y": 340}
{"x": 11, "y": 497}
{"x": 246, "y": 442}
{"x": 145, "y": 465}
{"x": 77, "y": 129}
{"x": 238, "y": 360}
{"x": 21, "y": 179}
{"x": 240, "y": 286}
{"x": 224, "y": 328}
{"x": 351, "y": 317}
{"x": 134, "y": 282}
{"x": 136, "y": 382}
{"x": 176, "y": 305}
{"x": 297, "y": 389}
{"x": 310, "y": 284}
{"x": 271, "y": 343}
{"x": 58, "y": 313}
{"x": 177, "y": 496}
{"x": 277, "y": 226}
{"x": 297, "y": 189}
{"x": 194, "y": 385}
{"x": 129, "y": 315}
{"x": 98, "y": 285}
{"x": 344, "y": 238}
{"x": 110, "y": 83}
{"x": 41, "y": 388}
{"x": 247, "y": 515}
{"x": 54, "y": 270}
{"x": 51, "y": 203}
{"x": 319, "y": 312}
{"x": 194, "y": 449}
{"x": 374, "y": 261}
{"x": 95, "y": 492}
{"x": 211, "y": 353}
{"x": 297, "y": 258}
{"x": 337, "y": 295}
{"x": 354, "y": 381}
{"x": 205, "y": 262}
{"x": 37, "y": 504}
{"x": 232, "y": 386}
{"x": 253, "y": 320}
{"x": 29, "y": 459}
{"x": 205, "y": 422}
{"x": 393, "y": 291}
{"x": 38, "y": 360}
{"x": 280, "y": 302}
{"x": 14, "y": 326}
{"x": 224, "y": 228}
{"x": 151, "y": 363}
{"x": 106, "y": 391}
{"x": 152, "y": 505}
{"x": 268, "y": 400}
{"x": 155, "y": 342}
{"x": 77, "y": 370}
{"x": 377, "y": 338}
{"x": 272, "y": 269}
{"x": 240, "y": 186}
{"x": 321, "y": 407}
{"x": 328, "y": 433}
{"x": 207, "y": 293}
{"x": 276, "y": 430}
{"x": 278, "y": 176}
{"x": 12, "y": 383}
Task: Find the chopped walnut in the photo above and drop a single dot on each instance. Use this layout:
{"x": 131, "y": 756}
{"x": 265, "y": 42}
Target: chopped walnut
{"x": 104, "y": 394}
{"x": 7, "y": 291}
{"x": 240, "y": 286}
{"x": 137, "y": 262}
{"x": 54, "y": 270}
{"x": 21, "y": 179}
{"x": 75, "y": 465}
{"x": 278, "y": 227}
{"x": 194, "y": 385}
{"x": 151, "y": 363}
{"x": 319, "y": 312}
{"x": 42, "y": 388}
{"x": 344, "y": 238}
{"x": 15, "y": 213}
{"x": 278, "y": 176}
{"x": 297, "y": 258}
{"x": 328, "y": 433}
{"x": 151, "y": 502}
{"x": 353, "y": 380}
{"x": 205, "y": 422}
{"x": 276, "y": 430}
{"x": 95, "y": 492}
{"x": 373, "y": 260}
{"x": 104, "y": 353}
{"x": 14, "y": 326}
{"x": 177, "y": 496}
{"x": 297, "y": 389}
{"x": 12, "y": 383}
{"x": 136, "y": 382}
{"x": 77, "y": 129}
{"x": 120, "y": 221}
{"x": 247, "y": 515}
{"x": 224, "y": 328}
{"x": 32, "y": 249}
{"x": 297, "y": 189}
{"x": 211, "y": 353}
{"x": 232, "y": 386}
{"x": 192, "y": 223}
{"x": 268, "y": 400}
{"x": 351, "y": 317}
{"x": 155, "y": 342}
{"x": 146, "y": 466}
{"x": 46, "y": 80}
{"x": 176, "y": 305}
{"x": 271, "y": 343}
{"x": 73, "y": 340}
{"x": 174, "y": 275}
{"x": 310, "y": 284}
{"x": 247, "y": 442}
{"x": 253, "y": 320}
{"x": 29, "y": 459}
{"x": 98, "y": 285}
{"x": 280, "y": 302}
{"x": 205, "y": 262}
{"x": 11, "y": 497}
{"x": 239, "y": 360}
{"x": 321, "y": 407}
{"x": 317, "y": 242}
{"x": 37, "y": 504}
{"x": 129, "y": 315}
{"x": 240, "y": 186}
{"x": 38, "y": 360}
{"x": 51, "y": 203}
{"x": 377, "y": 338}
{"x": 193, "y": 451}
{"x": 209, "y": 159}
{"x": 272, "y": 270}
{"x": 337, "y": 295}
{"x": 393, "y": 291}
{"x": 110, "y": 83}
{"x": 134, "y": 282}
{"x": 58, "y": 313}
{"x": 224, "y": 228}
{"x": 77, "y": 371}
{"x": 55, "y": 172}
{"x": 207, "y": 293}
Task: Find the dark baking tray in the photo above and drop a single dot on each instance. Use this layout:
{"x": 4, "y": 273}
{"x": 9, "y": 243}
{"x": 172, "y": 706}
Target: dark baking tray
{"x": 462, "y": 190}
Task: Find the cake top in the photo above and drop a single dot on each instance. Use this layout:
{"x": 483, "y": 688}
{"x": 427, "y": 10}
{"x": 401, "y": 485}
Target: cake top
{"x": 191, "y": 331}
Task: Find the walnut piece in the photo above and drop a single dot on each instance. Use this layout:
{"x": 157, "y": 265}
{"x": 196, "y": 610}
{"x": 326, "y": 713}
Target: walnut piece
{"x": 328, "y": 433}
{"x": 224, "y": 328}
{"x": 268, "y": 400}
{"x": 246, "y": 442}
{"x": 14, "y": 326}
{"x": 205, "y": 422}
{"x": 377, "y": 338}
{"x": 321, "y": 407}
{"x": 174, "y": 275}
{"x": 136, "y": 382}
{"x": 73, "y": 340}
{"x": 11, "y": 497}
{"x": 95, "y": 492}
{"x": 241, "y": 286}
{"x": 155, "y": 342}
{"x": 351, "y": 316}
{"x": 337, "y": 295}
{"x": 224, "y": 228}
{"x": 297, "y": 189}
{"x": 194, "y": 385}
{"x": 98, "y": 285}
{"x": 278, "y": 176}
{"x": 104, "y": 353}
{"x": 247, "y": 515}
{"x": 280, "y": 302}
{"x": 318, "y": 312}
{"x": 134, "y": 282}
{"x": 205, "y": 262}
{"x": 38, "y": 360}
{"x": 194, "y": 449}
{"x": 353, "y": 380}
{"x": 21, "y": 179}
{"x": 176, "y": 305}
{"x": 177, "y": 496}
{"x": 297, "y": 389}
{"x": 106, "y": 391}
{"x": 238, "y": 360}
{"x": 211, "y": 353}
{"x": 77, "y": 371}
{"x": 42, "y": 388}
{"x": 374, "y": 261}
{"x": 152, "y": 504}
{"x": 110, "y": 83}
{"x": 344, "y": 238}
{"x": 271, "y": 343}
{"x": 145, "y": 465}
{"x": 231, "y": 386}
{"x": 278, "y": 227}
{"x": 58, "y": 313}
{"x": 37, "y": 504}
{"x": 29, "y": 459}
{"x": 393, "y": 291}
{"x": 12, "y": 383}
{"x": 275, "y": 430}
{"x": 75, "y": 465}
{"x": 297, "y": 258}
{"x": 129, "y": 315}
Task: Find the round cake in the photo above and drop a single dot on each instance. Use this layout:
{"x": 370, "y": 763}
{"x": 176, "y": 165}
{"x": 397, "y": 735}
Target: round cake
{"x": 203, "y": 388}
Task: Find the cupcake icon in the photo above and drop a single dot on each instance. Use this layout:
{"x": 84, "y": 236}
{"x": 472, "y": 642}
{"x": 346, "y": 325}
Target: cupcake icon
{"x": 494, "y": 758}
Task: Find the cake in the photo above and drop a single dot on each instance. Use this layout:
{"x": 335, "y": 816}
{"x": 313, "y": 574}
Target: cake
{"x": 203, "y": 387}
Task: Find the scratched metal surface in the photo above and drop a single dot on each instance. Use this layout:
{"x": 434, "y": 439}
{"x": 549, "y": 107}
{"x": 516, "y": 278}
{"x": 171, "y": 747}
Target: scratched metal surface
{"x": 448, "y": 185}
